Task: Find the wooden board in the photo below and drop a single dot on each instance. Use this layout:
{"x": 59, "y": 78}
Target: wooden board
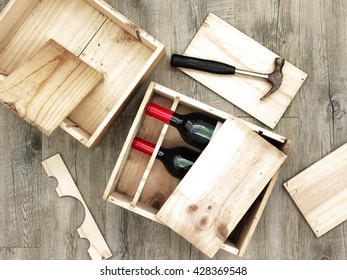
{"x": 55, "y": 167}
{"x": 217, "y": 40}
{"x": 320, "y": 191}
{"x": 108, "y": 52}
{"x": 221, "y": 186}
{"x": 72, "y": 24}
{"x": 46, "y": 88}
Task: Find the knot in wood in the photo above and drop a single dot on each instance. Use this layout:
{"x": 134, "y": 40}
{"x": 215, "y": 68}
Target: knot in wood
{"x": 192, "y": 208}
{"x": 222, "y": 231}
{"x": 203, "y": 222}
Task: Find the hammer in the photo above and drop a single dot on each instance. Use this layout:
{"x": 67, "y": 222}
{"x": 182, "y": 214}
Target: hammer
{"x": 211, "y": 66}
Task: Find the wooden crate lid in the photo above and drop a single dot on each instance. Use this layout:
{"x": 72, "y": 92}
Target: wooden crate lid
{"x": 221, "y": 186}
{"x": 46, "y": 88}
{"x": 320, "y": 191}
{"x": 217, "y": 40}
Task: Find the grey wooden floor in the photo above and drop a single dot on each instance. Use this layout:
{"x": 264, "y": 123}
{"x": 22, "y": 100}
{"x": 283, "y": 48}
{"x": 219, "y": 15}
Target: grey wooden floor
{"x": 311, "y": 34}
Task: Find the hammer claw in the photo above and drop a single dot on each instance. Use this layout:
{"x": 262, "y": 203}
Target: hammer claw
{"x": 276, "y": 77}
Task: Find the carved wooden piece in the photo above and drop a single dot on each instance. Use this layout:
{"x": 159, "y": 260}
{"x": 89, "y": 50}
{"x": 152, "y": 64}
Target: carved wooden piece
{"x": 55, "y": 167}
{"x": 221, "y": 186}
{"x": 320, "y": 191}
{"x": 46, "y": 88}
{"x": 217, "y": 40}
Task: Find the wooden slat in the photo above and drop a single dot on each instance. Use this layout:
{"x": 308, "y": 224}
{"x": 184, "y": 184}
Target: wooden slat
{"x": 217, "y": 40}
{"x": 153, "y": 158}
{"x": 320, "y": 191}
{"x": 221, "y": 186}
{"x": 46, "y": 88}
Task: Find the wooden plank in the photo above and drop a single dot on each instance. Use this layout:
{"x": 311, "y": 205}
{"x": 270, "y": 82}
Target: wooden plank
{"x": 205, "y": 208}
{"x": 108, "y": 52}
{"x": 217, "y": 40}
{"x": 46, "y": 88}
{"x": 320, "y": 191}
{"x": 12, "y": 18}
{"x": 55, "y": 167}
{"x": 70, "y": 23}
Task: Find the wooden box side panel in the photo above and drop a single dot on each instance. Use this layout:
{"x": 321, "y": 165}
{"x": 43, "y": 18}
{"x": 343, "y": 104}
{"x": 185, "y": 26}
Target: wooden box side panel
{"x": 126, "y": 24}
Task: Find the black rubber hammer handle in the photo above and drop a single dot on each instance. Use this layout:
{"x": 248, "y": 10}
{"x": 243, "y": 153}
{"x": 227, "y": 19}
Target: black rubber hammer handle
{"x": 201, "y": 64}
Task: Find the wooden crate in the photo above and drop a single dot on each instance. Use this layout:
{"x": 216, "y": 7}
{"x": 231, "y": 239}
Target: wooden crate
{"x": 234, "y": 190}
{"x": 96, "y": 34}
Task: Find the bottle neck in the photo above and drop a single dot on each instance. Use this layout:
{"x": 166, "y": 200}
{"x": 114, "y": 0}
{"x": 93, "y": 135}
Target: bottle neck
{"x": 147, "y": 148}
{"x": 143, "y": 146}
{"x": 159, "y": 113}
{"x": 164, "y": 114}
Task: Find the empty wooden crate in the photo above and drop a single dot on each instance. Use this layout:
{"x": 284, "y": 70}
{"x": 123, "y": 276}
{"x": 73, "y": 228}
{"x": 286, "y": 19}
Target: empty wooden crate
{"x": 220, "y": 200}
{"x": 91, "y": 30}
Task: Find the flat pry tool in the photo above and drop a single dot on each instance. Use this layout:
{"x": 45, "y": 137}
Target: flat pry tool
{"x": 216, "y": 67}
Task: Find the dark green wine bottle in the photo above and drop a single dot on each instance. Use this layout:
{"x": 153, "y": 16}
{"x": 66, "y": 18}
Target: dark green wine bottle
{"x": 177, "y": 161}
{"x": 195, "y": 128}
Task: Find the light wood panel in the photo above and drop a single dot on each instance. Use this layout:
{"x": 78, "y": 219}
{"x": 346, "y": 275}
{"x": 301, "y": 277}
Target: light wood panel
{"x": 47, "y": 88}
{"x": 320, "y": 191}
{"x": 51, "y": 20}
{"x": 219, "y": 41}
{"x": 206, "y": 206}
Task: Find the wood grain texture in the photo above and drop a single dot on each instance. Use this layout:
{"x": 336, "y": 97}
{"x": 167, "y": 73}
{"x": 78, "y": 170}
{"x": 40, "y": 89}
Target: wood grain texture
{"x": 206, "y": 207}
{"x": 219, "y": 41}
{"x": 36, "y": 224}
{"x": 47, "y": 88}
{"x": 320, "y": 191}
{"x": 98, "y": 35}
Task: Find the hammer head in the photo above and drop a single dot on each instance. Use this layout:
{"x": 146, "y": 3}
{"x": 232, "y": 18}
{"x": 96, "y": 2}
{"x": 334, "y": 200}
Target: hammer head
{"x": 276, "y": 77}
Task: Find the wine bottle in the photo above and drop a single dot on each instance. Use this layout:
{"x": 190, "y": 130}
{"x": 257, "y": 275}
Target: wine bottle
{"x": 177, "y": 161}
{"x": 196, "y": 128}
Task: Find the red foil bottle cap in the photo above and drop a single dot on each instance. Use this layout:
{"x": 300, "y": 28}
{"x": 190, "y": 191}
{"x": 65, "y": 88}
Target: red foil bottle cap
{"x": 143, "y": 146}
{"x": 159, "y": 113}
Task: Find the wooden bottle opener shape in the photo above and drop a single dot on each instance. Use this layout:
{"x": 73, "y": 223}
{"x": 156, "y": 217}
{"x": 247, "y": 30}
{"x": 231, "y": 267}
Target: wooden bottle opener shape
{"x": 55, "y": 167}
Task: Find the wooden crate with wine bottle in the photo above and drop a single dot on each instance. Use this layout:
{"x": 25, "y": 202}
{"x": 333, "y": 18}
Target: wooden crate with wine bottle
{"x": 202, "y": 172}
